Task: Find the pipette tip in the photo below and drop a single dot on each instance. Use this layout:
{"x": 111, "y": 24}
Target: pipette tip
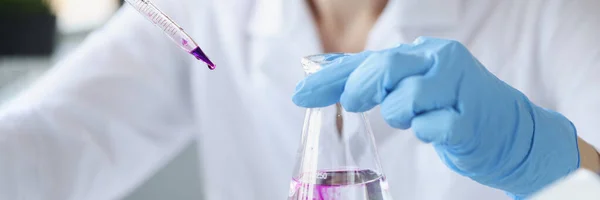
{"x": 199, "y": 54}
{"x": 211, "y": 67}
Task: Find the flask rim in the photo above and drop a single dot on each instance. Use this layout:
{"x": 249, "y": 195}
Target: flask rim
{"x": 313, "y": 63}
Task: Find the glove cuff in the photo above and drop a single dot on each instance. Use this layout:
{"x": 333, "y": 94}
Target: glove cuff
{"x": 553, "y": 154}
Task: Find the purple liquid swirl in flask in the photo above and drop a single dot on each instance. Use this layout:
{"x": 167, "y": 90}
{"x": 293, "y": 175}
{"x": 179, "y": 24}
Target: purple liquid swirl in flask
{"x": 337, "y": 159}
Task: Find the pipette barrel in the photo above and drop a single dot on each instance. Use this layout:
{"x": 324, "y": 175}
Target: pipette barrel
{"x": 171, "y": 29}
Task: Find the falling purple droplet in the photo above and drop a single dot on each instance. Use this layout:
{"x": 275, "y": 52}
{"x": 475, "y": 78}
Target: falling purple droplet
{"x": 184, "y": 42}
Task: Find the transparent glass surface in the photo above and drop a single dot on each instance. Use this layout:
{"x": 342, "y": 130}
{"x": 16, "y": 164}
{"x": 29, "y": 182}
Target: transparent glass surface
{"x": 337, "y": 159}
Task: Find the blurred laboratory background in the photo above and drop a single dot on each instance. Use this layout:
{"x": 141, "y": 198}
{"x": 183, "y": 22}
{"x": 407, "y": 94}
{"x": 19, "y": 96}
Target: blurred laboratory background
{"x": 35, "y": 34}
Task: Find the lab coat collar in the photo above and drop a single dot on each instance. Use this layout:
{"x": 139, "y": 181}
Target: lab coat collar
{"x": 425, "y": 13}
{"x": 276, "y": 17}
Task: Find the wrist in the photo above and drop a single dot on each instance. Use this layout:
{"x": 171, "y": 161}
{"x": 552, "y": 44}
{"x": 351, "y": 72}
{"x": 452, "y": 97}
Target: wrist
{"x": 588, "y": 155}
{"x": 553, "y": 154}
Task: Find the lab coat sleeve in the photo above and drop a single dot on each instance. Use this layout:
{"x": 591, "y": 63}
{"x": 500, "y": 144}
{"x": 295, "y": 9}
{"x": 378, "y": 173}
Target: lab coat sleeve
{"x": 570, "y": 62}
{"x": 101, "y": 121}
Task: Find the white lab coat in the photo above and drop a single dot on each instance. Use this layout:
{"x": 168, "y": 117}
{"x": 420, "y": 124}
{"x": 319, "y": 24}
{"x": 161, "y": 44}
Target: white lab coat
{"x": 107, "y": 117}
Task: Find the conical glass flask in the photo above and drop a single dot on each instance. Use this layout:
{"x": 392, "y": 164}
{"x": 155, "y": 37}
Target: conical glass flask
{"x": 337, "y": 159}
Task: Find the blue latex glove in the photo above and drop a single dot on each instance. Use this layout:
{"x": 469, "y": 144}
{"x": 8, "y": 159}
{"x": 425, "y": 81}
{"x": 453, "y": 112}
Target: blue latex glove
{"x": 480, "y": 126}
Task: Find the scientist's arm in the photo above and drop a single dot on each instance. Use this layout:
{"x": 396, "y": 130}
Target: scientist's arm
{"x": 570, "y": 60}
{"x": 102, "y": 120}
{"x": 590, "y": 159}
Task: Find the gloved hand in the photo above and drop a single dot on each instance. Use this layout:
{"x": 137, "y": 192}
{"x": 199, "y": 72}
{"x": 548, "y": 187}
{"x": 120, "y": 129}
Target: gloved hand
{"x": 480, "y": 126}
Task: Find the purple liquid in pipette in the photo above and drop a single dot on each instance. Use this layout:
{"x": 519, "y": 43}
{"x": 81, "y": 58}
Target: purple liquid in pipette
{"x": 197, "y": 52}
{"x": 341, "y": 185}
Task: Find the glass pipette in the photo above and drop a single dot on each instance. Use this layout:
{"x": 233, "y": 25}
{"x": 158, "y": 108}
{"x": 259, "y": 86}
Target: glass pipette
{"x": 171, "y": 29}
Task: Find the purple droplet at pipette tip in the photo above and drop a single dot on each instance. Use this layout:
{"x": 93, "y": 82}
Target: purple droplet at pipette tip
{"x": 199, "y": 54}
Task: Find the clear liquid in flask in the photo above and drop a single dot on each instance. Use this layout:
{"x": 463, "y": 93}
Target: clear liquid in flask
{"x": 341, "y": 185}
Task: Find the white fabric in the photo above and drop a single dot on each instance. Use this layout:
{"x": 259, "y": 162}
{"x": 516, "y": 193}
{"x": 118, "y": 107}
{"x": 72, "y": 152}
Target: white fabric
{"x": 580, "y": 185}
{"x": 128, "y": 100}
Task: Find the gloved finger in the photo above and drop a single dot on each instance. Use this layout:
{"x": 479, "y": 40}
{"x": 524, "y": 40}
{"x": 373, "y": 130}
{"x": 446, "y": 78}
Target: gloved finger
{"x": 324, "y": 87}
{"x": 437, "y": 126}
{"x": 371, "y": 82}
{"x": 397, "y": 108}
{"x": 413, "y": 96}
